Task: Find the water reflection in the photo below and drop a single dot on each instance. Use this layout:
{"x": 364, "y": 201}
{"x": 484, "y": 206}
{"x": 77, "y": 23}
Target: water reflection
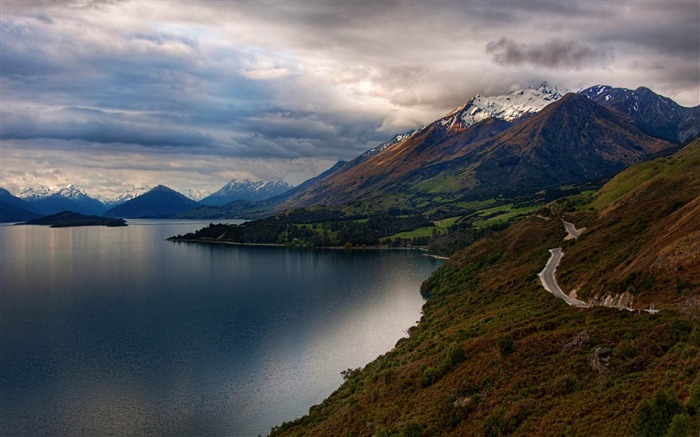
{"x": 114, "y": 330}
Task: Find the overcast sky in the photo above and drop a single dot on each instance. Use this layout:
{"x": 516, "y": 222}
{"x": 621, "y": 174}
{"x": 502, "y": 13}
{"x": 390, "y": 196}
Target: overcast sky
{"x": 106, "y": 94}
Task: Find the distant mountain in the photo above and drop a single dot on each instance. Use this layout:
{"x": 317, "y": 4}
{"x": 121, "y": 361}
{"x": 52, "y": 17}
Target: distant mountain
{"x": 196, "y": 194}
{"x": 571, "y": 140}
{"x": 134, "y": 191}
{"x": 159, "y": 202}
{"x": 14, "y": 209}
{"x": 656, "y": 115}
{"x": 246, "y": 190}
{"x": 64, "y": 198}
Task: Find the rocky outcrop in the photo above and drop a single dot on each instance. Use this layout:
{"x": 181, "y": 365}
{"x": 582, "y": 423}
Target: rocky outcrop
{"x": 580, "y": 341}
{"x": 599, "y": 359}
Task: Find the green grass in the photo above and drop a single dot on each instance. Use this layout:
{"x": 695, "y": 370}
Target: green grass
{"x": 446, "y": 223}
{"x": 626, "y": 182}
{"x": 507, "y": 212}
{"x": 420, "y": 232}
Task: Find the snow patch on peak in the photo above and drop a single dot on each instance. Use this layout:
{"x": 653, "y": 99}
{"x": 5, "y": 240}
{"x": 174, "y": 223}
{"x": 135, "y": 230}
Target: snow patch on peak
{"x": 196, "y": 194}
{"x": 68, "y": 191}
{"x": 380, "y": 148}
{"x": 511, "y": 106}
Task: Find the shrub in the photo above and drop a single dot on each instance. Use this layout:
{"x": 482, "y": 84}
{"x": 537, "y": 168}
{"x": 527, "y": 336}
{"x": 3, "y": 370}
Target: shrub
{"x": 693, "y": 404}
{"x": 429, "y": 376}
{"x": 681, "y": 426}
{"x": 653, "y": 416}
{"x": 412, "y": 429}
{"x": 505, "y": 345}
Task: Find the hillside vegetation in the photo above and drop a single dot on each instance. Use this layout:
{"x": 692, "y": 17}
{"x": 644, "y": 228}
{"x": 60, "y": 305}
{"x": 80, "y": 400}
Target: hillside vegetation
{"x": 494, "y": 354}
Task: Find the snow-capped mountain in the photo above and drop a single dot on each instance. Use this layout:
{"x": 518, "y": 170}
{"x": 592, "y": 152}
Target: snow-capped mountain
{"x": 69, "y": 191}
{"x": 654, "y": 114}
{"x": 69, "y": 197}
{"x": 397, "y": 139}
{"x": 129, "y": 194}
{"x": 507, "y": 107}
{"x": 513, "y": 143}
{"x": 196, "y": 194}
{"x": 246, "y": 189}
{"x": 159, "y": 202}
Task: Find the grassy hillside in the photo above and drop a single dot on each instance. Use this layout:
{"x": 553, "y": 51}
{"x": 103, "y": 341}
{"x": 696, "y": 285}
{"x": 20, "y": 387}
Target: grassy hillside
{"x": 494, "y": 354}
{"x": 643, "y": 242}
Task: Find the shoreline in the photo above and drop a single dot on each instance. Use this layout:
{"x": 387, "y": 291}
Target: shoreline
{"x": 380, "y": 247}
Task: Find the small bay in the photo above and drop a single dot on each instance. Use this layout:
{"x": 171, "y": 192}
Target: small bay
{"x": 115, "y": 331}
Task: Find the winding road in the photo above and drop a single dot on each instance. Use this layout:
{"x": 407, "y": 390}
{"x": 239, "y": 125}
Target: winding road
{"x": 571, "y": 230}
{"x": 549, "y": 281}
{"x": 548, "y": 274}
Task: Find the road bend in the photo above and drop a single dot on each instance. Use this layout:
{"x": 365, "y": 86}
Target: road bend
{"x": 549, "y": 281}
{"x": 571, "y": 230}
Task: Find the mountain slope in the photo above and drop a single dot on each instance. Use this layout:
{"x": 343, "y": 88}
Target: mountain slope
{"x": 134, "y": 191}
{"x": 649, "y": 215}
{"x": 14, "y": 209}
{"x": 246, "y": 190}
{"x": 495, "y": 354}
{"x": 64, "y": 198}
{"x": 572, "y": 140}
{"x": 656, "y": 115}
{"x": 160, "y": 202}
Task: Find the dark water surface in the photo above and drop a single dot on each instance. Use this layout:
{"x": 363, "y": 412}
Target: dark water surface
{"x": 114, "y": 331}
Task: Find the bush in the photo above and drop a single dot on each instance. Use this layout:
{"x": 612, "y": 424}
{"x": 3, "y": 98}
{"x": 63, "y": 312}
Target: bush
{"x": 505, "y": 345}
{"x": 412, "y": 429}
{"x": 693, "y": 404}
{"x": 429, "y": 376}
{"x": 653, "y": 416}
{"x": 681, "y": 426}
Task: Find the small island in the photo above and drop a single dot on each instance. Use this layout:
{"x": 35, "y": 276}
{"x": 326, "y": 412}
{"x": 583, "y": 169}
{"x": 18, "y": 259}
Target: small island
{"x": 70, "y": 218}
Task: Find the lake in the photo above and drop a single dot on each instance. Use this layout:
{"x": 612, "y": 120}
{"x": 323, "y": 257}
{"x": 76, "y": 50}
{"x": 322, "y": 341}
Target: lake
{"x": 115, "y": 331}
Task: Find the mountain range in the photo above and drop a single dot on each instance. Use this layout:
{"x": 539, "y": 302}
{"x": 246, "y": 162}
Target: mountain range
{"x": 512, "y": 146}
{"x": 159, "y": 202}
{"x": 36, "y": 202}
{"x": 246, "y": 189}
{"x": 518, "y": 144}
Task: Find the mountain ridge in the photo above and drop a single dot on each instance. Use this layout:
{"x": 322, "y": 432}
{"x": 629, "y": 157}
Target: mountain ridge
{"x": 469, "y": 158}
{"x": 247, "y": 190}
{"x": 159, "y": 202}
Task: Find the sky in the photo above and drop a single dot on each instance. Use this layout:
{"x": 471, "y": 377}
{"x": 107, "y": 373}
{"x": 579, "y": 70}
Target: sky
{"x": 191, "y": 94}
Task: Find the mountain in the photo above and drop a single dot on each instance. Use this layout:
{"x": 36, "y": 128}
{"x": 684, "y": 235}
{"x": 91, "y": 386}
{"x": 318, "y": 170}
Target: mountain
{"x": 64, "y": 198}
{"x": 246, "y": 189}
{"x": 571, "y": 140}
{"x": 496, "y": 354}
{"x": 134, "y": 191}
{"x": 509, "y": 107}
{"x": 196, "y": 194}
{"x": 656, "y": 115}
{"x": 14, "y": 209}
{"x": 159, "y": 202}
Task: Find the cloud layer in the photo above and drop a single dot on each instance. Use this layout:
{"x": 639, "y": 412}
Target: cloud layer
{"x": 192, "y": 94}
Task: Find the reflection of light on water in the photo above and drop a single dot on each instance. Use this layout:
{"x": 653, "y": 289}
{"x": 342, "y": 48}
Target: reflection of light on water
{"x": 100, "y": 406}
{"x": 141, "y": 335}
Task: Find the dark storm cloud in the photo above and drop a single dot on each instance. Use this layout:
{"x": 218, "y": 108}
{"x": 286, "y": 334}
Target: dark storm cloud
{"x": 229, "y": 83}
{"x": 90, "y": 126}
{"x": 550, "y": 54}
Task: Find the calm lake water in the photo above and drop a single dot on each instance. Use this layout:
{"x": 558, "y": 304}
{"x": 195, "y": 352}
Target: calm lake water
{"x": 114, "y": 331}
